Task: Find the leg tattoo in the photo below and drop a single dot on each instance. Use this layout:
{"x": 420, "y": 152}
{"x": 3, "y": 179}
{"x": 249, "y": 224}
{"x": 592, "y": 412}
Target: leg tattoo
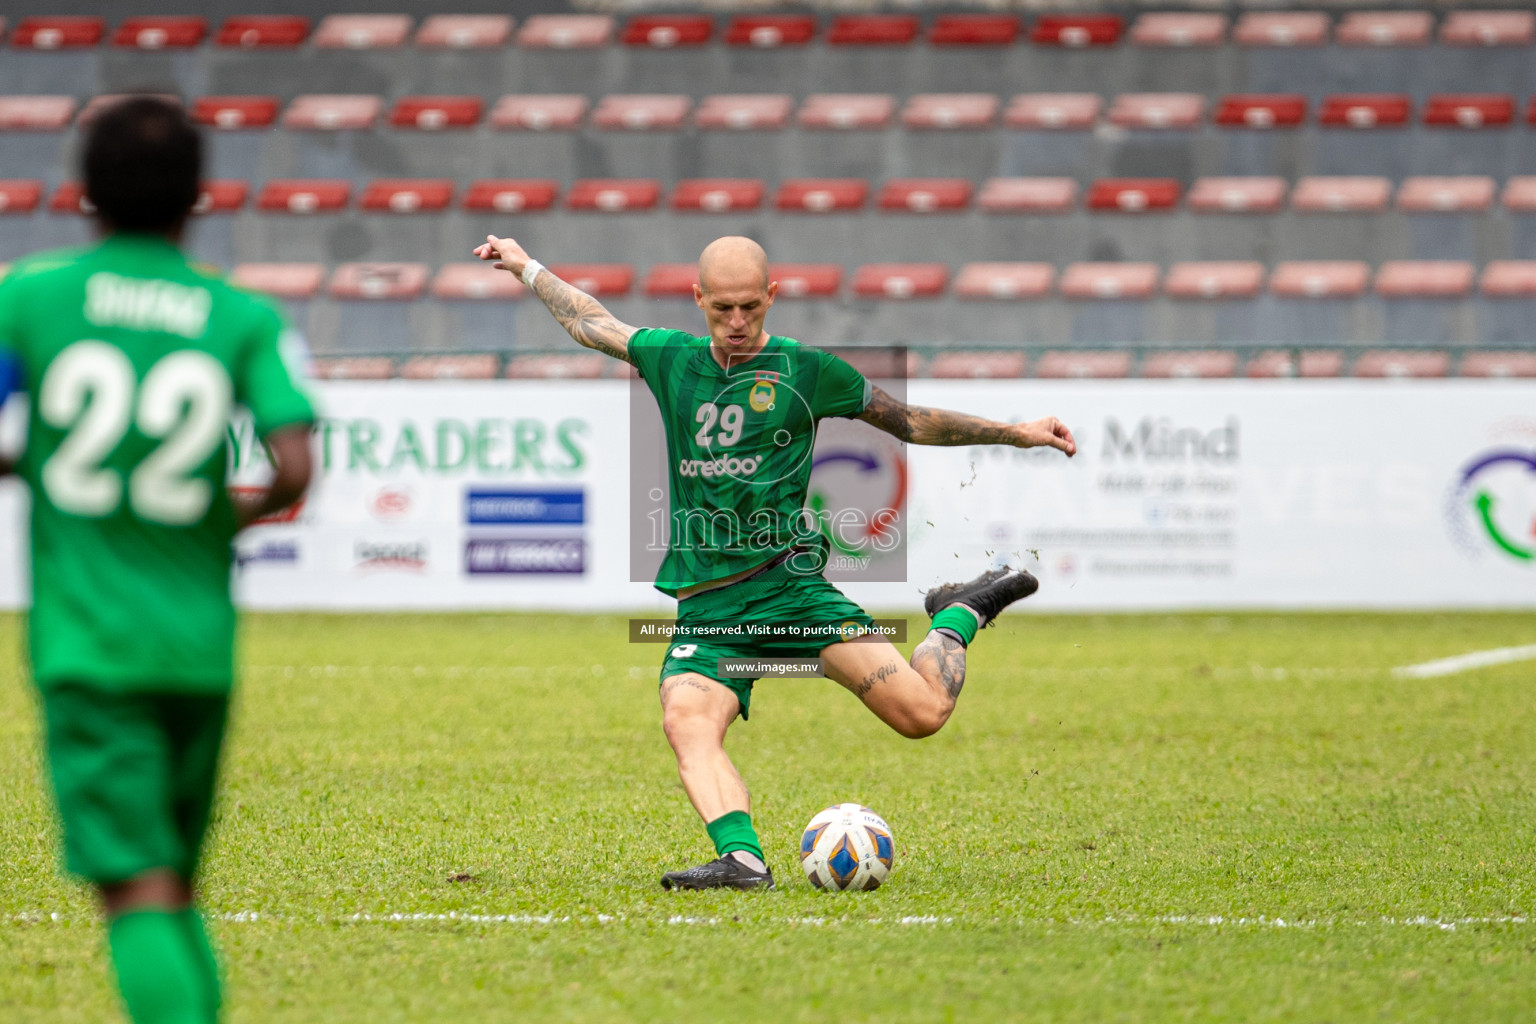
{"x": 946, "y": 655}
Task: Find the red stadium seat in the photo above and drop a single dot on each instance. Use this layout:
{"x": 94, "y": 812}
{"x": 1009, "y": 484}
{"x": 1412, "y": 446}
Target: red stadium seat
{"x": 950, "y": 110}
{"x": 806, "y": 280}
{"x": 821, "y": 195}
{"x": 641, "y": 113}
{"x": 1509, "y": 278}
{"x": 36, "y": 113}
{"x": 1280, "y": 363}
{"x": 1028, "y": 195}
{"x": 57, "y": 32}
{"x": 407, "y": 195}
{"x": 1179, "y": 29}
{"x": 565, "y": 31}
{"x": 464, "y": 31}
{"x": 671, "y": 280}
{"x": 1187, "y": 365}
{"x": 973, "y": 30}
{"x": 511, "y": 195}
{"x": 767, "y": 31}
{"x": 353, "y": 368}
{"x": 1281, "y": 28}
{"x": 664, "y": 31}
{"x": 1497, "y": 364}
{"x": 1435, "y": 279}
{"x": 872, "y": 30}
{"x": 1365, "y": 110}
{"x": 601, "y": 280}
{"x": 1471, "y": 193}
{"x": 96, "y": 104}
{"x": 1262, "y": 111}
{"x": 1383, "y": 363}
{"x": 430, "y": 113}
{"x": 1319, "y": 279}
{"x": 744, "y": 112}
{"x": 1076, "y": 30}
{"x": 900, "y": 280}
{"x": 221, "y": 196}
{"x": 1520, "y": 194}
{"x": 69, "y": 197}
{"x": 473, "y": 366}
{"x": 1237, "y": 195}
{"x": 464, "y": 282}
{"x": 1157, "y": 109}
{"x": 1384, "y": 28}
{"x": 980, "y": 364}
{"x": 1235, "y": 279}
{"x": 1355, "y": 194}
{"x": 718, "y": 195}
{"x": 613, "y": 195}
{"x": 283, "y": 280}
{"x": 304, "y": 195}
{"x": 1109, "y": 280}
{"x": 234, "y": 112}
{"x": 847, "y": 110}
{"x": 397, "y": 281}
{"x": 19, "y": 195}
{"x": 553, "y": 112}
{"x": 332, "y": 113}
{"x": 1133, "y": 195}
{"x": 362, "y": 31}
{"x": 160, "y": 33}
{"x": 1077, "y": 110}
{"x": 924, "y": 195}
{"x": 1004, "y": 281}
{"x": 1083, "y": 365}
{"x": 1469, "y": 110}
{"x": 1488, "y": 28}
{"x": 558, "y": 366}
{"x": 271, "y": 31}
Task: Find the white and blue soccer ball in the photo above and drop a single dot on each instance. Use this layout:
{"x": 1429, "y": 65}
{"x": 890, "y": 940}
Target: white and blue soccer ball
{"x": 847, "y": 847}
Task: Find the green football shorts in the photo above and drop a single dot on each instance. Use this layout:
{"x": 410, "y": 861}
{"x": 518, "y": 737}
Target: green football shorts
{"x": 133, "y": 774}
{"x": 777, "y": 614}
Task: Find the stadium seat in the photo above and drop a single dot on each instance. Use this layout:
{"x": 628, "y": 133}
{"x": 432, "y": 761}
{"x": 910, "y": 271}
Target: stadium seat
{"x": 20, "y": 195}
{"x": 565, "y": 31}
{"x": 553, "y": 112}
{"x": 57, "y": 32}
{"x": 1262, "y": 111}
{"x": 1384, "y": 28}
{"x": 821, "y": 195}
{"x": 69, "y": 197}
{"x": 471, "y": 366}
{"x": 1157, "y": 110}
{"x": 96, "y": 104}
{"x": 1386, "y": 363}
{"x": 160, "y": 33}
{"x": 1076, "y": 30}
{"x": 1189, "y": 364}
{"x": 1520, "y": 194}
{"x": 558, "y": 366}
{"x": 1028, "y": 195}
{"x": 282, "y": 280}
{"x": 900, "y": 280}
{"x": 601, "y": 280}
{"x": 973, "y": 30}
{"x": 230, "y": 113}
{"x": 924, "y": 195}
{"x": 266, "y": 31}
{"x": 1488, "y": 28}
{"x": 464, "y": 31}
{"x": 353, "y": 368}
{"x": 978, "y": 364}
{"x": 362, "y": 31}
{"x": 1179, "y": 29}
{"x": 397, "y": 281}
{"x": 1237, "y": 195}
{"x": 1109, "y": 280}
{"x": 613, "y": 195}
{"x": 640, "y": 113}
{"x": 1470, "y": 193}
{"x": 36, "y": 113}
{"x": 1497, "y": 364}
{"x": 872, "y": 30}
{"x": 664, "y": 31}
{"x": 1083, "y": 365}
{"x": 1004, "y": 281}
{"x": 1133, "y": 195}
{"x": 511, "y": 195}
{"x": 407, "y": 195}
{"x": 1074, "y": 110}
{"x": 1352, "y": 194}
{"x": 1280, "y": 363}
{"x": 1281, "y": 28}
{"x": 430, "y": 113}
{"x": 1365, "y": 110}
{"x": 767, "y": 31}
{"x": 332, "y": 113}
{"x": 1234, "y": 279}
{"x": 881, "y": 363}
{"x": 460, "y": 282}
{"x": 1319, "y": 279}
{"x": 718, "y": 195}
{"x": 846, "y": 110}
{"x": 950, "y": 110}
{"x": 1430, "y": 279}
{"x": 1509, "y": 278}
{"x": 744, "y": 112}
{"x": 671, "y": 280}
{"x": 304, "y": 195}
{"x": 1469, "y": 110}
{"x": 221, "y": 196}
{"x": 806, "y": 280}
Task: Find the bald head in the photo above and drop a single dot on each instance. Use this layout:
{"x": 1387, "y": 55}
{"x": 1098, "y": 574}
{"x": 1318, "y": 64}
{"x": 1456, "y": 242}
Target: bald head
{"x": 733, "y": 263}
{"x": 734, "y": 292}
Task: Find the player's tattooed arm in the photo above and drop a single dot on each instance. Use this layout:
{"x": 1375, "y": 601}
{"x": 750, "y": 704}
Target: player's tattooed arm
{"x": 943, "y": 656}
{"x": 582, "y": 316}
{"x": 919, "y": 424}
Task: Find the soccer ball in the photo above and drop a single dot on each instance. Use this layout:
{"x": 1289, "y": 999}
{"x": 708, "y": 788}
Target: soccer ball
{"x": 847, "y": 847}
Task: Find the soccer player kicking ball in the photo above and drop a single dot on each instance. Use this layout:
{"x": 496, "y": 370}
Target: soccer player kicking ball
{"x": 740, "y": 408}
{"x": 133, "y": 361}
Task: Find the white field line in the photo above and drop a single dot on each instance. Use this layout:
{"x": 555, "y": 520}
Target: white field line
{"x": 1466, "y": 662}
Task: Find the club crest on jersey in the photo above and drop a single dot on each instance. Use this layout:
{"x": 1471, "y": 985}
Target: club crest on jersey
{"x": 760, "y": 398}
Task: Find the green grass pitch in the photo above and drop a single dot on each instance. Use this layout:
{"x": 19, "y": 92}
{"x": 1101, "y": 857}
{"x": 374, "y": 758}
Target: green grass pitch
{"x": 1129, "y": 818}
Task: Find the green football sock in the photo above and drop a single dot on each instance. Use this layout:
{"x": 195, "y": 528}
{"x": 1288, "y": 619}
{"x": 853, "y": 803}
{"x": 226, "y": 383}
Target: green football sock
{"x": 733, "y": 831}
{"x": 958, "y": 621}
{"x": 197, "y": 936}
{"x": 158, "y": 971}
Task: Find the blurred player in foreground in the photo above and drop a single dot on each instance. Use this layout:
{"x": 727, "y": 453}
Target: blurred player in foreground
{"x": 133, "y": 361}
{"x": 739, "y": 407}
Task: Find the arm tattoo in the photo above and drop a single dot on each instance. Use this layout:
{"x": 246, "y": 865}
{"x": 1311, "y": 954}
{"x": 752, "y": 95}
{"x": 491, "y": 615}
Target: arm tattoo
{"x": 948, "y": 657}
{"x": 921, "y": 425}
{"x": 583, "y": 317}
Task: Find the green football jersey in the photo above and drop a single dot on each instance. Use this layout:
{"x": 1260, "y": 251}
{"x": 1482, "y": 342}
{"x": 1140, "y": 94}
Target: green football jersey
{"x": 739, "y": 443}
{"x": 133, "y": 360}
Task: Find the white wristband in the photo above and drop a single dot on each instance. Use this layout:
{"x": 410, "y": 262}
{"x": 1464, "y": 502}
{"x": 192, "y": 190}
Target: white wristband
{"x": 531, "y": 273}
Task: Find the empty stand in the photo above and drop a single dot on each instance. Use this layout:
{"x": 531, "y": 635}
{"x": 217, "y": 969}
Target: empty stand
{"x": 821, "y": 195}
{"x": 1386, "y": 363}
{"x": 744, "y": 112}
{"x": 602, "y": 280}
{"x": 1179, "y": 29}
{"x": 555, "y": 112}
{"x": 464, "y": 31}
{"x": 1028, "y": 195}
{"x": 978, "y": 364}
{"x": 1261, "y": 111}
{"x": 263, "y": 31}
{"x": 57, "y": 32}
{"x": 1237, "y": 195}
{"x": 1424, "y": 279}
{"x": 1498, "y": 364}
{"x": 332, "y": 113}
{"x": 1519, "y": 194}
{"x": 1470, "y": 193}
{"x": 847, "y": 111}
{"x": 770, "y": 31}
{"x": 872, "y": 30}
{"x": 613, "y": 195}
{"x": 221, "y": 196}
{"x": 1004, "y": 281}
{"x": 160, "y": 33}
{"x": 353, "y": 368}
{"x": 19, "y": 196}
{"x": 1306, "y": 363}
{"x": 231, "y": 113}
{"x": 1281, "y": 28}
{"x": 304, "y": 196}
{"x": 807, "y": 280}
{"x": 1318, "y": 279}
{"x": 671, "y": 280}
{"x": 718, "y": 195}
{"x": 1469, "y": 110}
{"x": 362, "y": 31}
{"x": 69, "y": 197}
{"x": 641, "y": 113}
{"x": 565, "y": 31}
{"x": 283, "y": 280}
{"x": 1133, "y": 195}
{"x": 1509, "y": 278}
{"x": 1214, "y": 280}
{"x": 662, "y": 32}
{"x": 1365, "y": 110}
{"x": 559, "y": 366}
{"x": 475, "y": 281}
{"x": 1076, "y": 30}
{"x": 1189, "y": 364}
{"x": 511, "y": 195}
{"x": 1488, "y": 28}
{"x": 1059, "y": 365}
{"x": 973, "y": 30}
{"x": 1384, "y": 28}
{"x": 407, "y": 195}
{"x": 1079, "y": 110}
{"x": 924, "y": 195}
{"x": 900, "y": 280}
{"x": 1109, "y": 280}
{"x": 1341, "y": 194}
{"x": 1157, "y": 110}
{"x": 476, "y": 366}
{"x": 950, "y": 110}
{"x": 36, "y": 113}
{"x": 431, "y": 113}
{"x": 387, "y": 281}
